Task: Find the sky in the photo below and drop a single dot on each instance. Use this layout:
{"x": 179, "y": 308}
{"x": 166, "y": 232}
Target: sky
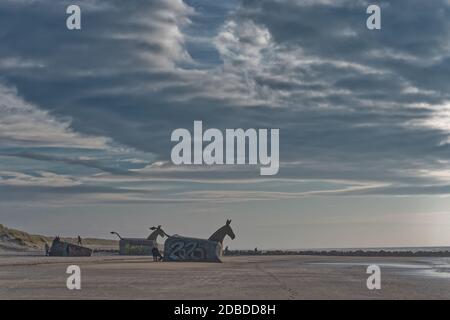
{"x": 364, "y": 117}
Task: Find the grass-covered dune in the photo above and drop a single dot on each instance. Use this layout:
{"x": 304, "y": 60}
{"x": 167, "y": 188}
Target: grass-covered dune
{"x": 16, "y": 240}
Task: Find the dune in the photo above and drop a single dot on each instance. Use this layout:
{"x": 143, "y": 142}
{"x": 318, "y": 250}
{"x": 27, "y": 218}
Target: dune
{"x": 20, "y": 241}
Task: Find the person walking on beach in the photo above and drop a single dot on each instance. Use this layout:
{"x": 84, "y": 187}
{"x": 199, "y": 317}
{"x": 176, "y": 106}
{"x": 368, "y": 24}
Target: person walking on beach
{"x": 79, "y": 241}
{"x": 156, "y": 255}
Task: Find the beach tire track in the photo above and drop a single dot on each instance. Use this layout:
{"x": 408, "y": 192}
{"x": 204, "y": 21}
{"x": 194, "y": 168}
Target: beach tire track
{"x": 292, "y": 293}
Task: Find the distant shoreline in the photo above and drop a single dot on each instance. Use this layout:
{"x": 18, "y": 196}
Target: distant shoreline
{"x": 341, "y": 253}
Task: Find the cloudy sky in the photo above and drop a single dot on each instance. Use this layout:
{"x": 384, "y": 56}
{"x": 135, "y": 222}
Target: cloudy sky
{"x": 364, "y": 119}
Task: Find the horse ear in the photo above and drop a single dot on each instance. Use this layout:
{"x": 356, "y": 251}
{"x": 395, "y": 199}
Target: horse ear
{"x": 152, "y": 228}
{"x": 228, "y": 221}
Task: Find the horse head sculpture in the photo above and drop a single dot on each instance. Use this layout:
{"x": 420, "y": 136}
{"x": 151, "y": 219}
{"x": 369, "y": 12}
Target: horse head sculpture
{"x": 220, "y": 234}
{"x": 157, "y": 231}
{"x": 117, "y": 234}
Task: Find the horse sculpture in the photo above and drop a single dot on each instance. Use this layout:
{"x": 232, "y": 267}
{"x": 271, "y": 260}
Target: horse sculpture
{"x": 140, "y": 246}
{"x": 179, "y": 248}
{"x": 157, "y": 231}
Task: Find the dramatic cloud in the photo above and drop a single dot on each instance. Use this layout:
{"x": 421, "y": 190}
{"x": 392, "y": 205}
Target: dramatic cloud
{"x": 41, "y": 179}
{"x": 351, "y": 104}
{"x": 24, "y": 124}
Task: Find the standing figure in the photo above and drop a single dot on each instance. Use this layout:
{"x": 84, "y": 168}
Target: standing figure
{"x": 79, "y": 241}
{"x": 156, "y": 254}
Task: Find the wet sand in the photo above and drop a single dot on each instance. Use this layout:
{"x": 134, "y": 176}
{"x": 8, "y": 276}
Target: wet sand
{"x": 261, "y": 277}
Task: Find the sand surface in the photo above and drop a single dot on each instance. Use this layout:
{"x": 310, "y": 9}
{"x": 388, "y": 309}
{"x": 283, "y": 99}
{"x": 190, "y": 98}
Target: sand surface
{"x": 261, "y": 277}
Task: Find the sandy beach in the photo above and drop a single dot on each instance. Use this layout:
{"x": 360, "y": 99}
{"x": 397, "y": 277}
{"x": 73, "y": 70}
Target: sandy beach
{"x": 260, "y": 277}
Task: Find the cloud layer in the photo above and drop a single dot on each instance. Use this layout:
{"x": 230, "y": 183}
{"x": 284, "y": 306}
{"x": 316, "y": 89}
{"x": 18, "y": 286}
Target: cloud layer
{"x": 353, "y": 105}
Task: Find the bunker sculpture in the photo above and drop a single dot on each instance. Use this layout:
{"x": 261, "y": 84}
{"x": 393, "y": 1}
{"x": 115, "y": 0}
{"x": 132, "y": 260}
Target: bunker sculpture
{"x": 65, "y": 249}
{"x": 179, "y": 248}
{"x": 140, "y": 246}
